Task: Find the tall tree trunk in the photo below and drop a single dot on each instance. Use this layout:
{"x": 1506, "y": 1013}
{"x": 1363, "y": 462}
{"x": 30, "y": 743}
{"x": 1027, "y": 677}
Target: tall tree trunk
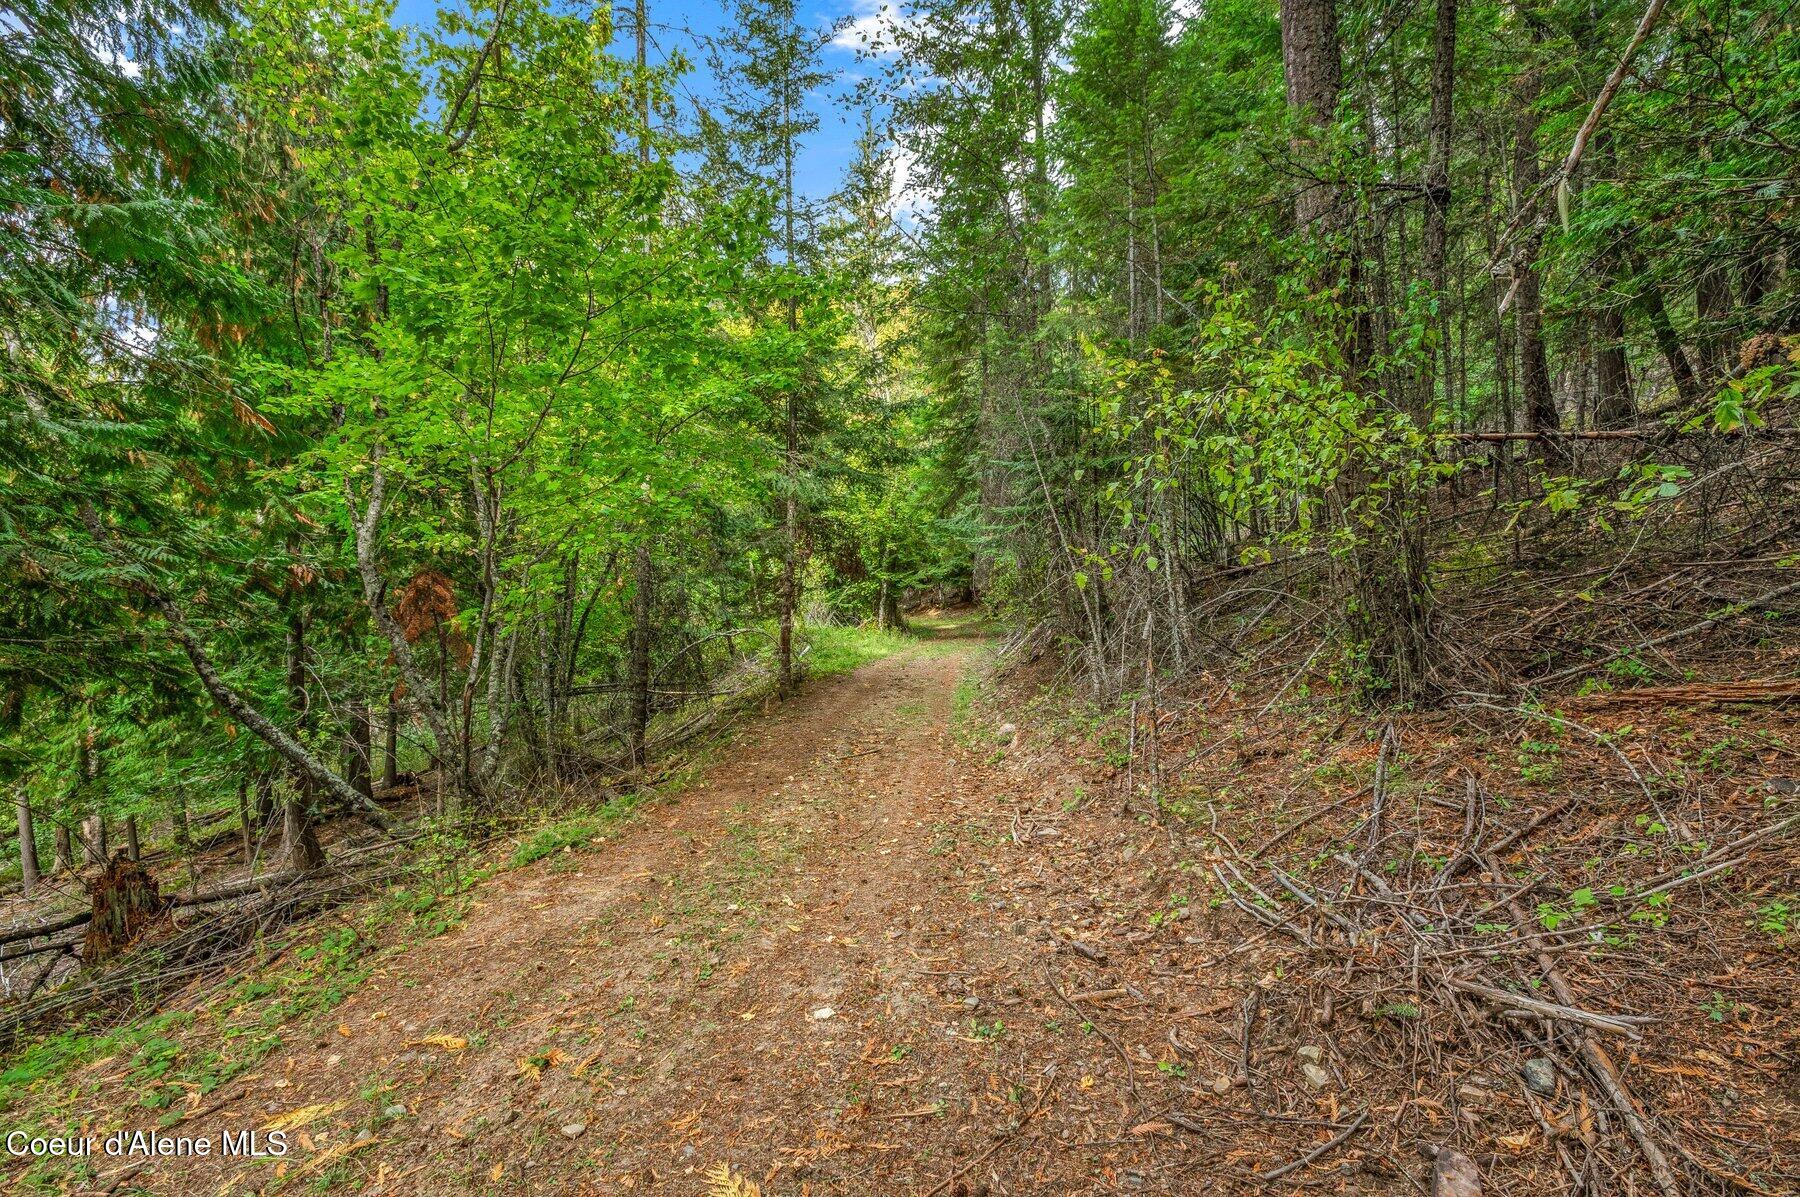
{"x": 1614, "y": 407}
{"x": 790, "y": 569}
{"x": 28, "y": 857}
{"x": 265, "y": 798}
{"x": 93, "y": 841}
{"x": 359, "y": 749}
{"x": 1436, "y": 248}
{"x": 1314, "y": 75}
{"x": 1712, "y": 303}
{"x": 63, "y": 858}
{"x": 642, "y": 606}
{"x": 1756, "y": 273}
{"x": 299, "y": 846}
{"x": 246, "y": 835}
{"x": 390, "y": 743}
{"x": 1687, "y": 384}
{"x": 133, "y": 849}
{"x": 1538, "y": 399}
{"x": 12, "y": 717}
{"x": 90, "y": 766}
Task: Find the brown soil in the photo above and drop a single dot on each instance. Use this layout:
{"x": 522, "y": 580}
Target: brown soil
{"x": 874, "y": 951}
{"x": 799, "y": 969}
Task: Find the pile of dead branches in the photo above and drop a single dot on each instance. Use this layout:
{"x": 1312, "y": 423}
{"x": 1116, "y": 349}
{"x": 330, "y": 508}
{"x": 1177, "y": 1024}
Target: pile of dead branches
{"x": 1462, "y": 946}
{"x": 198, "y": 934}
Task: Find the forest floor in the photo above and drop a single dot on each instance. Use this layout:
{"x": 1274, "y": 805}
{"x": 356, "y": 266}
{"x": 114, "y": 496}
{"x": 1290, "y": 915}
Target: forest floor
{"x": 882, "y": 945}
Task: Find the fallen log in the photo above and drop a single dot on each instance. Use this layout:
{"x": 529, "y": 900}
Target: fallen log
{"x": 51, "y": 928}
{"x": 55, "y": 945}
{"x": 236, "y": 889}
{"x": 1753, "y": 690}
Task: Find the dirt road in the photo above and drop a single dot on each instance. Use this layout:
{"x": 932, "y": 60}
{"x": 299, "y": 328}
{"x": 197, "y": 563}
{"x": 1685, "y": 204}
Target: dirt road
{"x": 791, "y": 971}
{"x": 875, "y": 952}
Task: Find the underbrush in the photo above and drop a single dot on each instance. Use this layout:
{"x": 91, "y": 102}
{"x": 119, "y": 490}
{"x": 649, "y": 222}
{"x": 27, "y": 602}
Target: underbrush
{"x": 1414, "y": 915}
{"x": 174, "y": 1060}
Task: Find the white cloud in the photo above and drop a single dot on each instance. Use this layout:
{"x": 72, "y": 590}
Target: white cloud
{"x": 908, "y": 199}
{"x": 872, "y": 29}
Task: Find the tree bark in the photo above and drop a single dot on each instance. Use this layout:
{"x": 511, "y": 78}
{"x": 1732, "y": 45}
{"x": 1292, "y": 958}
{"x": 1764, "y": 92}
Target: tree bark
{"x": 1614, "y": 407}
{"x": 1756, "y": 273}
{"x": 1687, "y": 384}
{"x": 359, "y": 750}
{"x": 1313, "y": 72}
{"x": 300, "y": 850}
{"x": 133, "y": 850}
{"x": 265, "y": 798}
{"x": 28, "y": 857}
{"x": 1712, "y": 303}
{"x": 390, "y": 745}
{"x": 245, "y": 835}
{"x": 642, "y": 607}
{"x": 63, "y": 860}
{"x": 1538, "y": 399}
{"x": 1437, "y": 188}
{"x": 125, "y": 900}
{"x": 93, "y": 841}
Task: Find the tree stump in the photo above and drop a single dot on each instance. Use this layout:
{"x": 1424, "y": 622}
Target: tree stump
{"x": 126, "y": 900}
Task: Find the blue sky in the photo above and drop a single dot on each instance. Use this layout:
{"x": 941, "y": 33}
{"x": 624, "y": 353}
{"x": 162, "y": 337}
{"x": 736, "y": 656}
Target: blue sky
{"x": 679, "y": 25}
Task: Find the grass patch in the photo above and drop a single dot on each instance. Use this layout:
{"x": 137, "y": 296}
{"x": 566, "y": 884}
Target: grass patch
{"x": 577, "y": 831}
{"x": 79, "y": 1077}
{"x": 834, "y": 650}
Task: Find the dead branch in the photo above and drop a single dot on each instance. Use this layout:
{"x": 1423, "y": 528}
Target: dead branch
{"x": 1730, "y": 611}
{"x": 1612, "y": 1024}
{"x": 1350, "y": 1128}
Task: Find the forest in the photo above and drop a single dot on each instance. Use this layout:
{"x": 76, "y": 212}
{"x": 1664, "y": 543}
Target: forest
{"x": 414, "y": 431}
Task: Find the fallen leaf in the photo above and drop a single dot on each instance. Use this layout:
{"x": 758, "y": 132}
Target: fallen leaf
{"x": 305, "y": 1115}
{"x": 335, "y": 1153}
{"x": 723, "y": 1182}
{"x": 450, "y": 1043}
